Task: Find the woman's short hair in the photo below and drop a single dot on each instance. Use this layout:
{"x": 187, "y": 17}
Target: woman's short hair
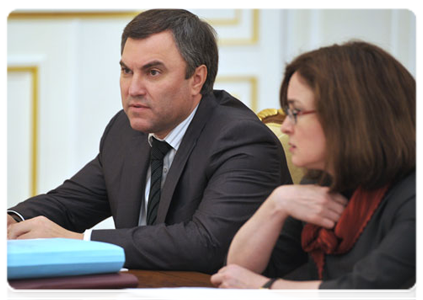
{"x": 366, "y": 103}
{"x": 195, "y": 39}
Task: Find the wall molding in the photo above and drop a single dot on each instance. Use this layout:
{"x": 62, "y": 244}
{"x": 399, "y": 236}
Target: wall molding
{"x": 34, "y": 72}
{"x": 59, "y": 14}
{"x": 236, "y": 20}
{"x": 252, "y": 81}
{"x": 253, "y": 37}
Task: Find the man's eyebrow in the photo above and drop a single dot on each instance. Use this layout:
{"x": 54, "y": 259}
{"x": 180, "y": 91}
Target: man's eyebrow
{"x": 154, "y": 63}
{"x": 122, "y": 64}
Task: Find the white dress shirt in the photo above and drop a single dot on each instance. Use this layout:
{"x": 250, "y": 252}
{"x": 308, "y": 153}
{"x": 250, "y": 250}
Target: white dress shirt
{"x": 174, "y": 139}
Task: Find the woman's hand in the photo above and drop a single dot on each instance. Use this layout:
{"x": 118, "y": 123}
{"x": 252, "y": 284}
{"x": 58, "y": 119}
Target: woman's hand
{"x": 236, "y": 277}
{"x": 310, "y": 203}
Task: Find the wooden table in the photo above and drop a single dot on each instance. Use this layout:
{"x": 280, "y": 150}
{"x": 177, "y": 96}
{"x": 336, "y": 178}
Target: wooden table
{"x": 156, "y": 279}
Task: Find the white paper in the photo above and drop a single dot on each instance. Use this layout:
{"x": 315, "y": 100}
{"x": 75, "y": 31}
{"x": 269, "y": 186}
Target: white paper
{"x": 188, "y": 293}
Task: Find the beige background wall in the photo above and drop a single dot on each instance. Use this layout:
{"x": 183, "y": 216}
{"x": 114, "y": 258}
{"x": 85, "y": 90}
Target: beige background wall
{"x": 63, "y": 74}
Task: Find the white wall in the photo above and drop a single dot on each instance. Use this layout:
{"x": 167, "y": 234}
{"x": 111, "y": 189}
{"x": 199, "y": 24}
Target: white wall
{"x": 76, "y": 58}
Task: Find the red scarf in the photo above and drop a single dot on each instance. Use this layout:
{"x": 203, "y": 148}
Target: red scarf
{"x": 319, "y": 241}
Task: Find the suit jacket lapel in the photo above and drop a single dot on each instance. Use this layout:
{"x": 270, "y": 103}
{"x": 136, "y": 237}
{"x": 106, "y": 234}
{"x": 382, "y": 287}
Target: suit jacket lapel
{"x": 133, "y": 183}
{"x": 188, "y": 143}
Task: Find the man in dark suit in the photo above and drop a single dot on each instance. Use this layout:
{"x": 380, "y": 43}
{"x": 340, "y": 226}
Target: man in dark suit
{"x": 219, "y": 164}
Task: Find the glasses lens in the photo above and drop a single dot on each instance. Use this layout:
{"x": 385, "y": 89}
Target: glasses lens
{"x": 292, "y": 116}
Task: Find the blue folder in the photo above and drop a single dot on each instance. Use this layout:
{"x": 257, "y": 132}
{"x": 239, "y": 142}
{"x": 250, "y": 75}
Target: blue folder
{"x": 37, "y": 258}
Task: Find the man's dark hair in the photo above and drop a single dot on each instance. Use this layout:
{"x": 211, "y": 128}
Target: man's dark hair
{"x": 195, "y": 39}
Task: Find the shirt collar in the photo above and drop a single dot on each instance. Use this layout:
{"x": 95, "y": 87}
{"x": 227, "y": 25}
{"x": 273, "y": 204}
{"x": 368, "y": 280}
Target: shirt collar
{"x": 174, "y": 138}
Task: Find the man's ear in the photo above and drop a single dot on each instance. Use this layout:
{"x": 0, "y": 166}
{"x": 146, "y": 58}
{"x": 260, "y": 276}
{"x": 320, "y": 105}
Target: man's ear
{"x": 198, "y": 79}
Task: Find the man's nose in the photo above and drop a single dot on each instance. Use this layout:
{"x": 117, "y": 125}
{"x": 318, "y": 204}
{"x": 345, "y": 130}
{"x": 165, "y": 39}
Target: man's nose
{"x": 137, "y": 86}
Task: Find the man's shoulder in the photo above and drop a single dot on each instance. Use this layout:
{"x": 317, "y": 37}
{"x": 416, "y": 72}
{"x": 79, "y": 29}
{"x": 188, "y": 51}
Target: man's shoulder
{"x": 120, "y": 119}
{"x": 228, "y": 109}
{"x": 120, "y": 122}
{"x": 230, "y": 119}
{"x": 226, "y": 101}
{"x": 119, "y": 128}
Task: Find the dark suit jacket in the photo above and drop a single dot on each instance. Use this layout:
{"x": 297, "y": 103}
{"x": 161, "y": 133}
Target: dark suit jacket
{"x": 384, "y": 256}
{"x": 227, "y": 164}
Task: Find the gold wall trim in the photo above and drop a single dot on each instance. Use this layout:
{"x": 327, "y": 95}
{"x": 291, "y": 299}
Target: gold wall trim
{"x": 251, "y": 80}
{"x": 33, "y": 70}
{"x": 33, "y": 15}
{"x": 235, "y": 21}
{"x": 249, "y": 41}
{"x": 38, "y": 14}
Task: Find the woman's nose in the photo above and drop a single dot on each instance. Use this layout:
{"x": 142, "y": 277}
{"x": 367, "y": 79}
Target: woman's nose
{"x": 287, "y": 127}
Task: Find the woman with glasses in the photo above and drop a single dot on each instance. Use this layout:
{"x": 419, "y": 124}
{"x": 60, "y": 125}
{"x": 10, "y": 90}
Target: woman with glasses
{"x": 351, "y": 123}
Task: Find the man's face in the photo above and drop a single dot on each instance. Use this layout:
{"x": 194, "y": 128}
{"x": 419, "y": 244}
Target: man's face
{"x": 155, "y": 94}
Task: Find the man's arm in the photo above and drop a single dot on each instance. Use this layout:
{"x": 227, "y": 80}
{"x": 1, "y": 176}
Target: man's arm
{"x": 242, "y": 173}
{"x": 79, "y": 203}
{"x": 242, "y": 169}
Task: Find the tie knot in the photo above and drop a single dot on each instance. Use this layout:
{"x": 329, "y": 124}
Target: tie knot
{"x": 159, "y": 149}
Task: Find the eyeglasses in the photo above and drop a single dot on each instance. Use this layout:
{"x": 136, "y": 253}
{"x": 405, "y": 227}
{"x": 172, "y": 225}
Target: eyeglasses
{"x": 293, "y": 114}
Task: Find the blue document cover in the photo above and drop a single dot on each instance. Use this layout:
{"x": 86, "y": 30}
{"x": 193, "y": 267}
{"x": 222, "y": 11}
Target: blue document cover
{"x": 36, "y": 258}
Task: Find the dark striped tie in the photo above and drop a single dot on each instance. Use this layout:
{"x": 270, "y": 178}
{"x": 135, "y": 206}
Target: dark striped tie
{"x": 158, "y": 151}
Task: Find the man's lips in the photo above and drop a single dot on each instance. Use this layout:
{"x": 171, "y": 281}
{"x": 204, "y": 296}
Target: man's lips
{"x": 137, "y": 106}
{"x": 292, "y": 147}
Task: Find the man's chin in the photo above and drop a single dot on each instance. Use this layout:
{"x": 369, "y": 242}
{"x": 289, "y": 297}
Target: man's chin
{"x": 143, "y": 126}
{"x": 140, "y": 126}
